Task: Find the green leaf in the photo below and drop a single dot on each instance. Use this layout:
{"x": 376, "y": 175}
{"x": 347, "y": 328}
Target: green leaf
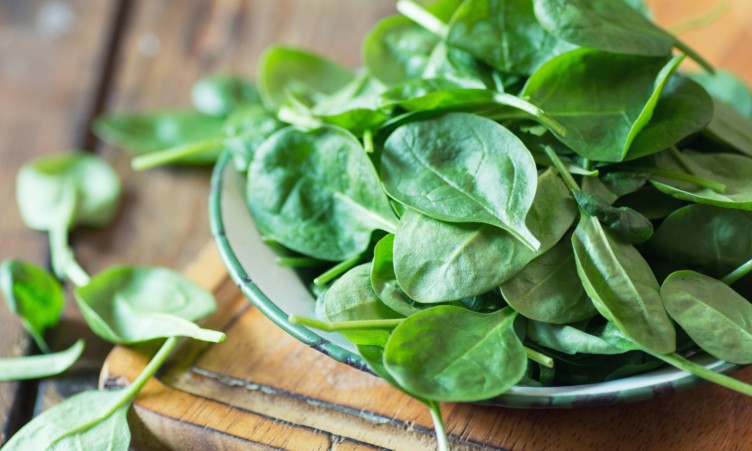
{"x": 569, "y": 340}
{"x": 730, "y": 127}
{"x": 435, "y": 261}
{"x": 384, "y": 281}
{"x": 42, "y": 184}
{"x": 397, "y": 50}
{"x": 39, "y": 366}
{"x": 608, "y": 25}
{"x": 355, "y": 106}
{"x": 712, "y": 239}
{"x": 351, "y": 298}
{"x": 91, "y": 420}
{"x": 716, "y": 317}
{"x": 150, "y": 132}
{"x": 626, "y": 224}
{"x": 505, "y": 34}
{"x": 727, "y": 88}
{"x": 462, "y": 168}
{"x": 732, "y": 170}
{"x": 136, "y": 304}
{"x": 317, "y": 192}
{"x": 285, "y": 73}
{"x": 220, "y": 94}
{"x": 449, "y": 353}
{"x": 548, "y": 289}
{"x": 34, "y": 295}
{"x": 603, "y": 99}
{"x": 245, "y": 130}
{"x": 622, "y": 286}
{"x": 458, "y": 66}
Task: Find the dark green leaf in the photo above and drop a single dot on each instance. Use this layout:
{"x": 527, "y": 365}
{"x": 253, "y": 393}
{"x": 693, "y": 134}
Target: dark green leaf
{"x": 730, "y": 127}
{"x": 449, "y": 353}
{"x": 728, "y": 88}
{"x": 626, "y": 224}
{"x": 715, "y": 316}
{"x": 462, "y": 168}
{"x": 317, "y": 193}
{"x": 569, "y": 339}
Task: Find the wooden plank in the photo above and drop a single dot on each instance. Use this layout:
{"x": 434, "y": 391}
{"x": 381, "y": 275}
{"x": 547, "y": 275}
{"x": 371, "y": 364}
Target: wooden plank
{"x": 50, "y": 59}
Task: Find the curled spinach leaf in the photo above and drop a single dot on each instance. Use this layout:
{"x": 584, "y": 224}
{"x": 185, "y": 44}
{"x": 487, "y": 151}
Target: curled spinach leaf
{"x": 38, "y": 366}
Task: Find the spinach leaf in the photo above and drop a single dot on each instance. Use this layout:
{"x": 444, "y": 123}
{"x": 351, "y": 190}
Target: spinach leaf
{"x": 462, "y": 168}
{"x": 449, "y": 353}
{"x": 441, "y": 9}
{"x": 621, "y": 286}
{"x": 569, "y": 339}
{"x": 732, "y": 170}
{"x": 384, "y": 281}
{"x": 34, "y": 295}
{"x": 549, "y": 290}
{"x": 728, "y": 88}
{"x": 715, "y": 316}
{"x": 149, "y": 132}
{"x": 730, "y": 127}
{"x": 457, "y": 66}
{"x": 220, "y": 94}
{"x": 626, "y": 224}
{"x": 317, "y": 192}
{"x": 38, "y": 366}
{"x": 352, "y": 298}
{"x": 504, "y": 34}
{"x": 285, "y": 73}
{"x": 711, "y": 239}
{"x": 355, "y": 106}
{"x": 136, "y": 304}
{"x": 245, "y": 130}
{"x": 397, "y": 50}
{"x": 436, "y": 261}
{"x": 603, "y": 99}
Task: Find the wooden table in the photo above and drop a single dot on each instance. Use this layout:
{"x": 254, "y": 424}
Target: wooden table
{"x": 64, "y": 62}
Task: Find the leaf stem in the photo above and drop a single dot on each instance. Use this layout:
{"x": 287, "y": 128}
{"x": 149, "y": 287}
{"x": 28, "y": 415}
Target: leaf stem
{"x": 368, "y": 141}
{"x": 684, "y": 177}
{"x": 700, "y": 371}
{"x": 523, "y": 105}
{"x": 442, "y": 442}
{"x": 336, "y": 271}
{"x": 425, "y": 19}
{"x": 298, "y": 262}
{"x": 150, "y": 370}
{"x": 539, "y": 357}
{"x": 738, "y": 273}
{"x": 75, "y": 272}
{"x": 561, "y": 169}
{"x": 687, "y": 50}
{"x": 167, "y": 156}
{"x": 345, "y": 325}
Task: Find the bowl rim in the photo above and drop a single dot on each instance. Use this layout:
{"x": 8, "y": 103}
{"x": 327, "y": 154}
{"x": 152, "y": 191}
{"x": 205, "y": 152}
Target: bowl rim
{"x": 629, "y": 389}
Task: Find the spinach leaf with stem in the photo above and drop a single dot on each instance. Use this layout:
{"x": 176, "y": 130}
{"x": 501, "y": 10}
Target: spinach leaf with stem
{"x": 462, "y": 168}
{"x": 96, "y": 418}
{"x": 34, "y": 295}
{"x": 317, "y": 192}
{"x": 609, "y": 25}
{"x": 449, "y": 353}
{"x": 127, "y": 305}
{"x": 39, "y": 366}
{"x": 57, "y": 192}
{"x": 436, "y": 261}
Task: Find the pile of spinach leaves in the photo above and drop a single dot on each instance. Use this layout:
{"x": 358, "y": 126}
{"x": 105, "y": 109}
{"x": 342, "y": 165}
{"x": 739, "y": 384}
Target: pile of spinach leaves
{"x": 508, "y": 192}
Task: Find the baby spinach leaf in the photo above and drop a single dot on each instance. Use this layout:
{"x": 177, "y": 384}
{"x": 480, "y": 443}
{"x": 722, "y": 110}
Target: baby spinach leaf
{"x": 245, "y": 130}
{"x": 732, "y": 170}
{"x": 94, "y": 418}
{"x": 626, "y": 224}
{"x": 352, "y": 298}
{"x": 717, "y": 318}
{"x": 449, "y": 353}
{"x": 728, "y": 88}
{"x": 34, "y": 295}
{"x": 462, "y": 168}
{"x": 458, "y": 66}
{"x": 149, "y": 132}
{"x": 505, "y": 34}
{"x": 317, "y": 192}
{"x": 569, "y": 339}
{"x": 436, "y": 261}
{"x": 285, "y": 72}
{"x": 220, "y": 94}
{"x": 730, "y": 127}
{"x": 621, "y": 286}
{"x": 355, "y": 106}
{"x": 650, "y": 202}
{"x": 136, "y": 304}
{"x": 435, "y": 94}
{"x": 38, "y": 366}
{"x": 712, "y": 239}
{"x": 603, "y": 99}
{"x": 384, "y": 281}
{"x": 397, "y": 49}
{"x": 548, "y": 289}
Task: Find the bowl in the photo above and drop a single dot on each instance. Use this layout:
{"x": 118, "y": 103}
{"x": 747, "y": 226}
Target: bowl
{"x": 279, "y": 292}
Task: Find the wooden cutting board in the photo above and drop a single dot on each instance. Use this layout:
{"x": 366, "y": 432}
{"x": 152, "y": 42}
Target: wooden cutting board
{"x": 262, "y": 389}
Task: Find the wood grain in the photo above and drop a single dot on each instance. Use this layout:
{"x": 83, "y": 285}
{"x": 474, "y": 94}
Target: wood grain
{"x": 50, "y": 59}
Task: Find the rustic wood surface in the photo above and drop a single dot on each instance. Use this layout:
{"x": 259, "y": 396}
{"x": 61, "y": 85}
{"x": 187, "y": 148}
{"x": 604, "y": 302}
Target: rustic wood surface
{"x": 64, "y": 61}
